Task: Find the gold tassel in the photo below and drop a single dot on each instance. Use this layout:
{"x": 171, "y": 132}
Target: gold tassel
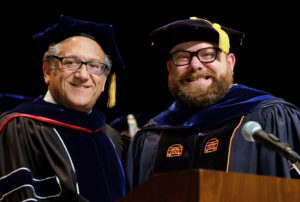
{"x": 224, "y": 43}
{"x": 112, "y": 91}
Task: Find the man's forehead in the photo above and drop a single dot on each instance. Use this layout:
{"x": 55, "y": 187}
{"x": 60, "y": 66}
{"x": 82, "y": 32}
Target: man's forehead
{"x": 80, "y": 46}
{"x": 192, "y": 44}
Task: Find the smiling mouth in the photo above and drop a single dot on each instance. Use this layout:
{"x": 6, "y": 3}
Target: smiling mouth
{"x": 201, "y": 78}
{"x": 78, "y": 86}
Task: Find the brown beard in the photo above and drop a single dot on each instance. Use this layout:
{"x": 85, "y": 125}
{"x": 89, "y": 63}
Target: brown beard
{"x": 196, "y": 98}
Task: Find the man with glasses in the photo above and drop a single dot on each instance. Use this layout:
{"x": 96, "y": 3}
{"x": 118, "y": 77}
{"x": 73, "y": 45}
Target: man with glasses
{"x": 203, "y": 127}
{"x": 58, "y": 146}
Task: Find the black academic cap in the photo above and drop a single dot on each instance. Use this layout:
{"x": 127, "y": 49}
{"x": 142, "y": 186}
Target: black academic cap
{"x": 67, "y": 27}
{"x": 195, "y": 29}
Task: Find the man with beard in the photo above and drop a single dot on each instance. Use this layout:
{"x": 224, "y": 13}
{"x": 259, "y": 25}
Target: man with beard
{"x": 203, "y": 127}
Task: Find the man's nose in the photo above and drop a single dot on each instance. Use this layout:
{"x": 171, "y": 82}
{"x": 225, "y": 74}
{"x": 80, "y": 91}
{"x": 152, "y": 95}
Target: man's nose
{"x": 195, "y": 63}
{"x": 82, "y": 72}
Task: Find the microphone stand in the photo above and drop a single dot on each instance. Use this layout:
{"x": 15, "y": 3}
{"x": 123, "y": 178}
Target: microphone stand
{"x": 286, "y": 151}
{"x": 271, "y": 142}
{"x": 294, "y": 159}
{"x": 296, "y": 166}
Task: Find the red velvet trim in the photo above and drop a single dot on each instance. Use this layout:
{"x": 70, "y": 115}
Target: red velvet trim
{"x": 47, "y": 120}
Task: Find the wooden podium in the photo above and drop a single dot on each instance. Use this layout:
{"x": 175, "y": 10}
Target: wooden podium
{"x": 214, "y": 186}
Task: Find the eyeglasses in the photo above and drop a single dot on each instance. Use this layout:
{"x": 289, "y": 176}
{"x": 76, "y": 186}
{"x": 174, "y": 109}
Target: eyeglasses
{"x": 205, "y": 55}
{"x": 73, "y": 63}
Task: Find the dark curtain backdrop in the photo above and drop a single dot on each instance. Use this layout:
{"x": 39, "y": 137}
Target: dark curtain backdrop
{"x": 268, "y": 60}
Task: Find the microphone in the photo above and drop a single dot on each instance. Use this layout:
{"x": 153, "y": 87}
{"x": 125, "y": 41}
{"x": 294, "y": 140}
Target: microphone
{"x": 252, "y": 131}
{"x": 132, "y": 125}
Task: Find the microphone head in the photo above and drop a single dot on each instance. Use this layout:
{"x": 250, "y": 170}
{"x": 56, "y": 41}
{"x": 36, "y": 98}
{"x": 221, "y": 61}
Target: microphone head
{"x": 249, "y": 129}
{"x": 132, "y": 125}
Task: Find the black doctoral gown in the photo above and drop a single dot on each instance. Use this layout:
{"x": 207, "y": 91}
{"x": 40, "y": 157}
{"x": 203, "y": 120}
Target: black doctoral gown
{"x": 50, "y": 153}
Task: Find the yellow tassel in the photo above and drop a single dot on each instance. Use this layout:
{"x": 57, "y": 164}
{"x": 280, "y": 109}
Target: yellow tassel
{"x": 194, "y": 18}
{"x": 224, "y": 43}
{"x": 112, "y": 91}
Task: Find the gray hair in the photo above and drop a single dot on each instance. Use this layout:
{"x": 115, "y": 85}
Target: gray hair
{"x": 54, "y": 50}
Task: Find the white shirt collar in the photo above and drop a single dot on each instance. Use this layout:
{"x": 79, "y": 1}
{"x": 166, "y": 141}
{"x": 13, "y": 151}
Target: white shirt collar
{"x": 48, "y": 98}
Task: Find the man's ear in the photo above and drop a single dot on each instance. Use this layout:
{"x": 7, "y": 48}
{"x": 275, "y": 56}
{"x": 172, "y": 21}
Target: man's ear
{"x": 104, "y": 82}
{"x": 169, "y": 65}
{"x": 46, "y": 72}
{"x": 231, "y": 60}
